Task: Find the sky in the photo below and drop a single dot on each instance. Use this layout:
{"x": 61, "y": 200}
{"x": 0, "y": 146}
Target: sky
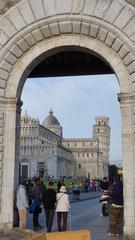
{"x": 75, "y": 102}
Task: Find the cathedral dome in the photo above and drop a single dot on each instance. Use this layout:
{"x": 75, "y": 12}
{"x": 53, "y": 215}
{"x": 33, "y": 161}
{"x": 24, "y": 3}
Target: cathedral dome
{"x": 50, "y": 120}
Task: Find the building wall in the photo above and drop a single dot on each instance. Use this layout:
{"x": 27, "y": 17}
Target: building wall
{"x": 92, "y": 155}
{"x": 41, "y": 151}
{"x": 45, "y": 155}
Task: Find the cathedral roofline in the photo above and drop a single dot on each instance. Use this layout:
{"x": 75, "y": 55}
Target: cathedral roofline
{"x": 49, "y": 130}
{"x": 79, "y": 139}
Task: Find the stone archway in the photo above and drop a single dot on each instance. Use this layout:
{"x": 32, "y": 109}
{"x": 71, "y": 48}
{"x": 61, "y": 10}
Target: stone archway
{"x": 31, "y": 31}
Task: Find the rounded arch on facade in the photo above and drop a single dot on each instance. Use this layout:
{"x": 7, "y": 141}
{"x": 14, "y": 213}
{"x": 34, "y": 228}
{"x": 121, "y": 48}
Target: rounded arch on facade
{"x": 31, "y": 32}
{"x": 64, "y": 43}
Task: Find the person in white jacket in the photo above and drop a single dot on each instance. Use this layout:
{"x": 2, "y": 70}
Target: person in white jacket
{"x": 62, "y": 208}
{"x": 22, "y": 203}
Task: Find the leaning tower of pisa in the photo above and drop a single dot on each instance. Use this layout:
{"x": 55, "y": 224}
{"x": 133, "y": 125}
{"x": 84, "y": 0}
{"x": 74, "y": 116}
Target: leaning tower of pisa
{"x": 101, "y": 131}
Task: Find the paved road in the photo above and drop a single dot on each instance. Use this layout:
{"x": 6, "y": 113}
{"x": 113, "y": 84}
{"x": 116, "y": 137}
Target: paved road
{"x": 86, "y": 214}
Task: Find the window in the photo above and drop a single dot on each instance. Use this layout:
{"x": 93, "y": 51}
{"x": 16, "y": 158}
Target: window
{"x": 24, "y": 171}
{"x": 79, "y": 166}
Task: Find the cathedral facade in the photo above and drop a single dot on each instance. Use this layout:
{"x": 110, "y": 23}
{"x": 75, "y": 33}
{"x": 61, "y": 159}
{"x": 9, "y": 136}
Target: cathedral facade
{"x": 45, "y": 152}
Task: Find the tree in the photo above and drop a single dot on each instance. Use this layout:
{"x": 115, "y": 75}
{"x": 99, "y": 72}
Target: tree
{"x": 113, "y": 170}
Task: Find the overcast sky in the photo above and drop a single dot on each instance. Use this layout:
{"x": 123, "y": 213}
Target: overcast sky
{"x": 76, "y": 101}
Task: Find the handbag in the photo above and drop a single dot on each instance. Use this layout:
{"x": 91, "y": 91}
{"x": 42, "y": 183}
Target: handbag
{"x": 32, "y": 206}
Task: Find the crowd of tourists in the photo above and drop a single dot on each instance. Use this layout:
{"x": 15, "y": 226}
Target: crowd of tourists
{"x": 31, "y": 195}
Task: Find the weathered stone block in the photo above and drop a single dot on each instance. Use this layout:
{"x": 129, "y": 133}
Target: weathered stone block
{"x": 85, "y": 28}
{"x": 38, "y": 9}
{"x": 7, "y": 27}
{"x": 1, "y": 137}
{"x": 2, "y": 92}
{"x": 6, "y": 66}
{"x": 1, "y": 148}
{"x": 110, "y": 39}
{"x": 3, "y": 74}
{"x": 129, "y": 58}
{"x": 101, "y": 8}
{"x": 1, "y": 115}
{"x": 3, "y": 83}
{"x": 113, "y": 11}
{"x": 23, "y": 45}
{"x": 76, "y": 27}
{"x": 3, "y": 38}
{"x": 131, "y": 67}
{"x": 54, "y": 29}
{"x": 130, "y": 28}
{"x": 46, "y": 31}
{"x": 123, "y": 18}
{"x": 94, "y": 30}
{"x": 11, "y": 58}
{"x": 77, "y": 6}
{"x": 65, "y": 27}
{"x": 26, "y": 12}
{"x": 2, "y": 4}
{"x": 123, "y": 51}
{"x": 1, "y": 164}
{"x": 0, "y": 187}
{"x": 133, "y": 37}
{"x": 132, "y": 77}
{"x": 89, "y": 7}
{"x": 16, "y": 18}
{"x": 63, "y": 6}
{"x": 37, "y": 35}
{"x": 49, "y": 6}
{"x": 30, "y": 39}
{"x": 1, "y": 122}
{"x": 16, "y": 51}
{"x": 102, "y": 34}
{"x": 1, "y": 156}
{"x": 117, "y": 44}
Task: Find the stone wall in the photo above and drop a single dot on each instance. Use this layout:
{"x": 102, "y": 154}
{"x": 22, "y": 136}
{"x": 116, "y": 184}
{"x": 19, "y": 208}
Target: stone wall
{"x": 131, "y": 2}
{"x": 1, "y": 151}
{"x": 6, "y": 4}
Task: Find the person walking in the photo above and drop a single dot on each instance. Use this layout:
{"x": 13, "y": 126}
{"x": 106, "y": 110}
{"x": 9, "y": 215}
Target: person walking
{"x": 37, "y": 198}
{"x": 116, "y": 213}
{"x": 22, "y": 203}
{"x": 62, "y": 209}
{"x": 49, "y": 202}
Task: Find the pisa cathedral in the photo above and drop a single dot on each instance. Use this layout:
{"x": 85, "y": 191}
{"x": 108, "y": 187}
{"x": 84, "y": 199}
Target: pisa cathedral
{"x": 45, "y": 152}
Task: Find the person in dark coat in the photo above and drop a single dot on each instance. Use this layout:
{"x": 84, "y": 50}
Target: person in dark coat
{"x": 49, "y": 202}
{"x": 37, "y": 197}
{"x": 116, "y": 214}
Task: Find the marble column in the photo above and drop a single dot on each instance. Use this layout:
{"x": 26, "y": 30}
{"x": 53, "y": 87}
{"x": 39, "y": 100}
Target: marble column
{"x": 10, "y": 168}
{"x": 127, "y": 106}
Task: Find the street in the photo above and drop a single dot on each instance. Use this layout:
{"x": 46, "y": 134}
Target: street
{"x": 84, "y": 215}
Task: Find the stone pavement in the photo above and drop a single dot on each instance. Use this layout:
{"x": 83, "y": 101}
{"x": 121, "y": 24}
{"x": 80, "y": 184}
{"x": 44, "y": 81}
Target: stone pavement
{"x": 101, "y": 223}
{"x": 84, "y": 196}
